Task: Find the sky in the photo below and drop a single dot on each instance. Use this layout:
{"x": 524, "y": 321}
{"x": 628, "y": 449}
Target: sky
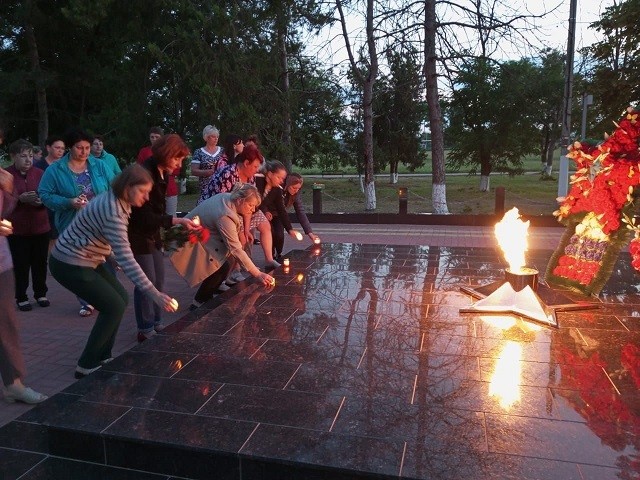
{"x": 552, "y": 30}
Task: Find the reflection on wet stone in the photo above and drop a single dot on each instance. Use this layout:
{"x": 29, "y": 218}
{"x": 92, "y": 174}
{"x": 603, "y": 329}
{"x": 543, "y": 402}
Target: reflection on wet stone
{"x": 358, "y": 364}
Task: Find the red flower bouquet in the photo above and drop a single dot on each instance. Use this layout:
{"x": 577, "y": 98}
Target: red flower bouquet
{"x": 176, "y": 237}
{"x": 597, "y": 207}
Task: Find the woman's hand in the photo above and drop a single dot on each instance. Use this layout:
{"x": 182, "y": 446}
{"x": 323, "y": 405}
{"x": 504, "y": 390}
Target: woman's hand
{"x": 31, "y": 198}
{"x": 295, "y": 234}
{"x": 266, "y": 279}
{"x": 314, "y": 238}
{"x": 79, "y": 202}
{"x": 186, "y": 222}
{"x": 6, "y": 228}
{"x": 168, "y": 303}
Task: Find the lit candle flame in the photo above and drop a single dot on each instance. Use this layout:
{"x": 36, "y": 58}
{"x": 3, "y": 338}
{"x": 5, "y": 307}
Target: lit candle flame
{"x": 298, "y": 236}
{"x": 285, "y": 262}
{"x": 196, "y": 221}
{"x": 317, "y": 241}
{"x": 511, "y": 234}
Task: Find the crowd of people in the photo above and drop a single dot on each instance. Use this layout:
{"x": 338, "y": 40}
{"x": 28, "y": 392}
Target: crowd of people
{"x": 76, "y": 212}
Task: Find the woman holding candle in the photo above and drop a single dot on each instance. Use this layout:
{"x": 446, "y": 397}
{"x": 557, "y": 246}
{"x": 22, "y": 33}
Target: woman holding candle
{"x": 69, "y": 184}
{"x": 279, "y": 218}
{"x": 223, "y": 215}
{"x": 78, "y": 258}
{"x": 272, "y": 206}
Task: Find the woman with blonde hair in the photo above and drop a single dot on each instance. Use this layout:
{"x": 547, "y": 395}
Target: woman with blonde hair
{"x": 223, "y": 215}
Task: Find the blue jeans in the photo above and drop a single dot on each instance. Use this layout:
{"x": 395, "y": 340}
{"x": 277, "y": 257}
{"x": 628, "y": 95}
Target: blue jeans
{"x": 148, "y": 313}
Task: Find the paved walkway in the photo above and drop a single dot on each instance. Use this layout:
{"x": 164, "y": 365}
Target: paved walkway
{"x": 53, "y": 338}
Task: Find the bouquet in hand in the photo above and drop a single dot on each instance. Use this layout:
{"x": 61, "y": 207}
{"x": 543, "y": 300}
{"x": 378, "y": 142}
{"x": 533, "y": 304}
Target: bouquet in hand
{"x": 176, "y": 237}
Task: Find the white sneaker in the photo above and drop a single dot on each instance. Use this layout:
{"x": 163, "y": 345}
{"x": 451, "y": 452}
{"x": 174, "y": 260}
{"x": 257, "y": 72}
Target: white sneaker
{"x": 235, "y": 277}
{"x": 223, "y": 287}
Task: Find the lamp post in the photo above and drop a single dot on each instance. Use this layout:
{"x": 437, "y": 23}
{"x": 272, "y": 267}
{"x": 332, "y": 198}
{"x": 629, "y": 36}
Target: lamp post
{"x": 403, "y": 193}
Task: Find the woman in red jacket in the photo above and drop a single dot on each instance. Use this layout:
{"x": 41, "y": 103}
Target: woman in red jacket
{"x": 29, "y": 243}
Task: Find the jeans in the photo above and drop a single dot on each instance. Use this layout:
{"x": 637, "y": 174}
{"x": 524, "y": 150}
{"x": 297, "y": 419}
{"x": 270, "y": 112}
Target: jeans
{"x": 148, "y": 313}
{"x": 102, "y": 289}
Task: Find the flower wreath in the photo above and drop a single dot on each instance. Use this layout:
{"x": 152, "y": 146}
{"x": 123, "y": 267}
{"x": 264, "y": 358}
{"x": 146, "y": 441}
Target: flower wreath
{"x": 598, "y": 209}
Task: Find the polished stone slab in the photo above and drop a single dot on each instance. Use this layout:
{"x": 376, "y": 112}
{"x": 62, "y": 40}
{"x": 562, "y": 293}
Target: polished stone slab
{"x": 357, "y": 364}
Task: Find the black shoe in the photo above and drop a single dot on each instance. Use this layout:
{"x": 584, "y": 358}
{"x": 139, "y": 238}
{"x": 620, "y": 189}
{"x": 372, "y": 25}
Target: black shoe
{"x": 256, "y": 241}
{"x": 24, "y": 306}
{"x": 43, "y": 301}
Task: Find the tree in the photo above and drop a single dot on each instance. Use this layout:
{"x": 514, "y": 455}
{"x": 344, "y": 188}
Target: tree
{"x": 614, "y": 63}
{"x": 366, "y": 73}
{"x": 401, "y": 111}
{"x": 490, "y": 118}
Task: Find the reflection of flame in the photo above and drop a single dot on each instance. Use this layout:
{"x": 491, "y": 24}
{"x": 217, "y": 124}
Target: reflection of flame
{"x": 300, "y": 277}
{"x": 505, "y": 381}
{"x": 178, "y": 364}
{"x": 511, "y": 233}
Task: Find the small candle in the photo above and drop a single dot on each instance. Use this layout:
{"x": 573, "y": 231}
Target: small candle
{"x": 298, "y": 236}
{"x": 174, "y": 304}
{"x": 273, "y": 282}
{"x": 285, "y": 262}
{"x": 317, "y": 241}
{"x": 196, "y": 221}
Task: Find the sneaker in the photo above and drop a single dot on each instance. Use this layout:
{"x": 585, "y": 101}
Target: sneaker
{"x": 24, "y": 306}
{"x": 142, "y": 336}
{"x": 257, "y": 242}
{"x": 223, "y": 287}
{"x": 235, "y": 277}
{"x": 86, "y": 311}
{"x": 159, "y": 327}
{"x": 83, "y": 372}
{"x": 43, "y": 301}
{"x": 106, "y": 360}
{"x": 271, "y": 265}
{"x": 14, "y": 393}
{"x": 194, "y": 305}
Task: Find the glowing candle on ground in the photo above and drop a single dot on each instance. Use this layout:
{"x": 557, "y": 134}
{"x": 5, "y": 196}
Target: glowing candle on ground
{"x": 196, "y": 221}
{"x": 298, "y": 236}
{"x": 174, "y": 304}
{"x": 317, "y": 241}
{"x": 285, "y": 262}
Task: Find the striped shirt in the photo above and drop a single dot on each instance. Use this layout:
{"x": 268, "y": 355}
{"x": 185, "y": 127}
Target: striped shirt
{"x": 95, "y": 232}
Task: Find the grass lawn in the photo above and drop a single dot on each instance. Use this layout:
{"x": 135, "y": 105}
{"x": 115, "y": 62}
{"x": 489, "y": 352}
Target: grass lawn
{"x": 531, "y": 195}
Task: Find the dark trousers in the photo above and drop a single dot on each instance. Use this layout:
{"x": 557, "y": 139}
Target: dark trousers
{"x": 277, "y": 232}
{"x": 29, "y": 254}
{"x": 100, "y": 288}
{"x": 11, "y": 360}
{"x": 210, "y": 284}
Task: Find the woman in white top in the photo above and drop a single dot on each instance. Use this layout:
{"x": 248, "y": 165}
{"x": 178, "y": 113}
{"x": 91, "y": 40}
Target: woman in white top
{"x": 206, "y": 160}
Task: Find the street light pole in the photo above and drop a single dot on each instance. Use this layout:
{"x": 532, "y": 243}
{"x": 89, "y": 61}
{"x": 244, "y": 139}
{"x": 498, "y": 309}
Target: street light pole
{"x": 563, "y": 177}
{"x": 586, "y": 101}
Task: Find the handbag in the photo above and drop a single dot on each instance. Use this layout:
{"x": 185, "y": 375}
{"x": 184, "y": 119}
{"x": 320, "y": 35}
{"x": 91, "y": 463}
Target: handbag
{"x": 194, "y": 263}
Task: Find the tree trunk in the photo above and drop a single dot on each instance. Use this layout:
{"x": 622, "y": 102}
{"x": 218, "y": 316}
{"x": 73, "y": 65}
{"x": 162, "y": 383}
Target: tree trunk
{"x": 286, "y": 104}
{"x": 369, "y": 178}
{"x": 438, "y": 192}
{"x": 393, "y": 178}
{"x": 484, "y": 183}
{"x": 41, "y": 92}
